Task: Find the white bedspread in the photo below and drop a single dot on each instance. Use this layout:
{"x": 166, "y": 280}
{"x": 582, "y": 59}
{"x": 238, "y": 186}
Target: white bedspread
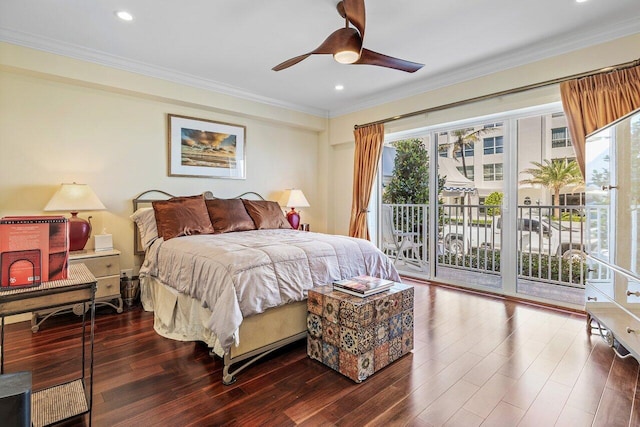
{"x": 239, "y": 274}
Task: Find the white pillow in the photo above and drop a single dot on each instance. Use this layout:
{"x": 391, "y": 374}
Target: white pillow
{"x": 145, "y": 219}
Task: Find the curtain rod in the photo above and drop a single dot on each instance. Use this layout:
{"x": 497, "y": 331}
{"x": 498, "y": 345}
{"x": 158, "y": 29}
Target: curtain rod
{"x": 504, "y": 92}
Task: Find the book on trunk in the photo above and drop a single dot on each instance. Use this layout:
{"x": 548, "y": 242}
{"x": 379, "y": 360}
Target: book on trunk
{"x": 362, "y": 285}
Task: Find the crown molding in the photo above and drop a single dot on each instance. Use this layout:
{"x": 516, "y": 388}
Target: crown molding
{"x": 101, "y": 58}
{"x": 535, "y": 52}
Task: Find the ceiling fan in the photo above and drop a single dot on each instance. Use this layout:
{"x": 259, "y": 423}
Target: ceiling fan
{"x": 345, "y": 44}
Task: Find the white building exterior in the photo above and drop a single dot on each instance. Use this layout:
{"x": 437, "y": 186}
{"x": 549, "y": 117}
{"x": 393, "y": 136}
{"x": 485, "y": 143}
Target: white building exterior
{"x": 539, "y": 137}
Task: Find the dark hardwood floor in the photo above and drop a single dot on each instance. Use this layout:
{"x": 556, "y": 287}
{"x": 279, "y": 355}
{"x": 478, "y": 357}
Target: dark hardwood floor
{"x": 477, "y": 361}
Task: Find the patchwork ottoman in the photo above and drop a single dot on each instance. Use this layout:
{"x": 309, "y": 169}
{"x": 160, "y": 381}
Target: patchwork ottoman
{"x": 358, "y": 336}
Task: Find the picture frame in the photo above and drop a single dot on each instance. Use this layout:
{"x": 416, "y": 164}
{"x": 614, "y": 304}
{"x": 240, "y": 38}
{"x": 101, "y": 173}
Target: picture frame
{"x": 206, "y": 148}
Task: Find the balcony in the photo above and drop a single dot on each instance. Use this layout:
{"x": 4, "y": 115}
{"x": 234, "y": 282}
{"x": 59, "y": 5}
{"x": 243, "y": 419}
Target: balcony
{"x": 550, "y": 259}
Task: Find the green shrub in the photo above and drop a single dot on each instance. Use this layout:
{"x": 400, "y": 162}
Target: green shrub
{"x": 532, "y": 265}
{"x": 495, "y": 201}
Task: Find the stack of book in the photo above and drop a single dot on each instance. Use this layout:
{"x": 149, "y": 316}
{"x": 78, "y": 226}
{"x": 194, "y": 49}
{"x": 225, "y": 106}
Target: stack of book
{"x": 362, "y": 286}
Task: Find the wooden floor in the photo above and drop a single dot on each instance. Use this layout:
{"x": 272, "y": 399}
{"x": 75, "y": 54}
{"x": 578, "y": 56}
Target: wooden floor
{"x": 477, "y": 361}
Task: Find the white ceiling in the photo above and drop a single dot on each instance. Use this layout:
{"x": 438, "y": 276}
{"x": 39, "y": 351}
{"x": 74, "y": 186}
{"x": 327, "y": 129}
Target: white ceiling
{"x": 230, "y": 46}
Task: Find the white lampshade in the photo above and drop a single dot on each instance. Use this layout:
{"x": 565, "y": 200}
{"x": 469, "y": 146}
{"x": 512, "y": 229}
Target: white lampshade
{"x": 74, "y": 198}
{"x": 293, "y": 198}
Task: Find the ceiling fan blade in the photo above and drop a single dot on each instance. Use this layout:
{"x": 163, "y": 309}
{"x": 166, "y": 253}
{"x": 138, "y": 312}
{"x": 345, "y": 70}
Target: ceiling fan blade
{"x": 289, "y": 62}
{"x": 354, "y": 11}
{"x": 369, "y": 57}
{"x": 334, "y": 43}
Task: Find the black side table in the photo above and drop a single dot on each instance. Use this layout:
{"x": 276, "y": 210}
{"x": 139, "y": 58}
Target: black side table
{"x": 73, "y": 398}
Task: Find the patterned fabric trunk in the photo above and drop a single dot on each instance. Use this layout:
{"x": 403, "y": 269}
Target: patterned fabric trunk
{"x": 358, "y": 336}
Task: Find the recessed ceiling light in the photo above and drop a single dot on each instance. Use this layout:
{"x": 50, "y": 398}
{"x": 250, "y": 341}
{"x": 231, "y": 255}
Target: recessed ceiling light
{"x": 580, "y": 1}
{"x": 124, "y": 15}
{"x": 339, "y": 87}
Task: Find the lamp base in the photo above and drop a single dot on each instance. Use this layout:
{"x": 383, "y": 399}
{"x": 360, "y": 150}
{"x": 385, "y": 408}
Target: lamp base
{"x": 79, "y": 232}
{"x": 294, "y": 218}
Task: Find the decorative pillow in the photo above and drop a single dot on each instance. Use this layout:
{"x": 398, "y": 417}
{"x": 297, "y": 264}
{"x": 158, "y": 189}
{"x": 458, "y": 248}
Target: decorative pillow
{"x": 229, "y": 215}
{"x": 182, "y": 216}
{"x": 145, "y": 219}
{"x": 266, "y": 214}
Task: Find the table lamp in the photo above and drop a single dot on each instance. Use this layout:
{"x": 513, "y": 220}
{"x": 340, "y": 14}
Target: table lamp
{"x": 74, "y": 198}
{"x": 294, "y": 198}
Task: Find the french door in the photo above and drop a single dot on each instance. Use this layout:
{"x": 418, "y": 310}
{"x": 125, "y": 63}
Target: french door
{"x": 492, "y": 226}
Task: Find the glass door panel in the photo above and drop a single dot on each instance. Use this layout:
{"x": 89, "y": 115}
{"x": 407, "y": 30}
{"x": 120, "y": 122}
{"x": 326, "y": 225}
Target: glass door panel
{"x": 550, "y": 214}
{"x": 404, "y": 214}
{"x": 470, "y": 183}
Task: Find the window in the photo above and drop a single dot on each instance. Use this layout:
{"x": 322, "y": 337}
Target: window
{"x": 468, "y": 150}
{"x": 443, "y": 150}
{"x": 493, "y": 145}
{"x": 492, "y": 172}
{"x": 565, "y": 160}
{"x": 571, "y": 199}
{"x": 560, "y": 137}
{"x": 493, "y": 125}
{"x": 481, "y": 209}
{"x": 470, "y": 172}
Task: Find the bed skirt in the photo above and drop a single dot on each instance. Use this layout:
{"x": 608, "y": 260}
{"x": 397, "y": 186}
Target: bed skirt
{"x": 179, "y": 317}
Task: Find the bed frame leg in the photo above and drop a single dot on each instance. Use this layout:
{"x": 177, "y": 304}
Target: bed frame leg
{"x": 227, "y": 378}
{"x": 253, "y": 356}
{"x": 230, "y": 377}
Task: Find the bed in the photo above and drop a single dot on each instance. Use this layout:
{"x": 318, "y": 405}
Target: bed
{"x": 237, "y": 277}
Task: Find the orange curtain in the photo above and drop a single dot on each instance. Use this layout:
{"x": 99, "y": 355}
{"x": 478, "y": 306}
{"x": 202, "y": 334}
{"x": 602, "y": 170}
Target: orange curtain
{"x": 595, "y": 101}
{"x": 369, "y": 142}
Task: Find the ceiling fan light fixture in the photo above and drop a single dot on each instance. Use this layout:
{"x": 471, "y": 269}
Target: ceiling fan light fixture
{"x": 346, "y": 56}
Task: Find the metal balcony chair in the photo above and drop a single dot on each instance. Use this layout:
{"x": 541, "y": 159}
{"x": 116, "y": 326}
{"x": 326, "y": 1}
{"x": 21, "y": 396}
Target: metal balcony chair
{"x": 399, "y": 242}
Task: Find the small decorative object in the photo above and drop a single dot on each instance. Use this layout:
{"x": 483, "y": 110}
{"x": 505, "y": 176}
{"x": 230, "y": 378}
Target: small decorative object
{"x": 291, "y": 199}
{"x": 103, "y": 242}
{"x": 33, "y": 249}
{"x": 75, "y": 198}
{"x": 204, "y": 148}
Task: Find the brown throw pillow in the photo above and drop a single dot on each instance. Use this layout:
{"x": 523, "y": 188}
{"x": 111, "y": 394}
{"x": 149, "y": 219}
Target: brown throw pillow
{"x": 265, "y": 214}
{"x": 229, "y": 215}
{"x": 182, "y": 216}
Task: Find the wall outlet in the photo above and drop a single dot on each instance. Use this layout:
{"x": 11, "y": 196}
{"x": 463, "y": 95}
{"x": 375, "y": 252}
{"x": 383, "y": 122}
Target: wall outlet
{"x": 127, "y": 273}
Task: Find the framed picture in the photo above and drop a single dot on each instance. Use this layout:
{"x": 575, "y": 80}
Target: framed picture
{"x": 204, "y": 148}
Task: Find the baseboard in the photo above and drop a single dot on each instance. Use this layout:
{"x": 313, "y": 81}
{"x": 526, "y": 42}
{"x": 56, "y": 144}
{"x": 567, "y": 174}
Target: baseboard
{"x": 498, "y": 296}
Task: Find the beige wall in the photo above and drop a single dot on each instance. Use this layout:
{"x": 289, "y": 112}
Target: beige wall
{"x": 58, "y": 123}
{"x": 341, "y": 128}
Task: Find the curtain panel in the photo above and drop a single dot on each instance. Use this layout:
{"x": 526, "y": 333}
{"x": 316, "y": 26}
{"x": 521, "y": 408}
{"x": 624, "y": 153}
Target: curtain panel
{"x": 368, "y": 150}
{"x": 595, "y": 101}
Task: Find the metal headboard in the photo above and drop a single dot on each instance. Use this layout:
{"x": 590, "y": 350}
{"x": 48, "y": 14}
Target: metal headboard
{"x": 145, "y": 199}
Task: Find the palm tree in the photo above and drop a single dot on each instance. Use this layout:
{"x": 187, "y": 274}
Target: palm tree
{"x": 554, "y": 175}
{"x": 465, "y": 138}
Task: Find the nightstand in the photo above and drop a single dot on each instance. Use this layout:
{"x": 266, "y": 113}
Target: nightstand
{"x": 105, "y": 266}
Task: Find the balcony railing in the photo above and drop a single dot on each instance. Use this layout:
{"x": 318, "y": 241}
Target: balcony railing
{"x": 549, "y": 249}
